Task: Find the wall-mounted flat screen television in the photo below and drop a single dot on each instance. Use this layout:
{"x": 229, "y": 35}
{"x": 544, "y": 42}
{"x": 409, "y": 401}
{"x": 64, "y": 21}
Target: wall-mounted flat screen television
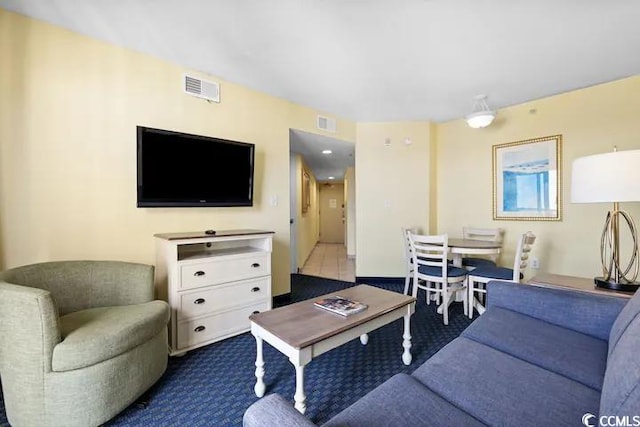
{"x": 183, "y": 170}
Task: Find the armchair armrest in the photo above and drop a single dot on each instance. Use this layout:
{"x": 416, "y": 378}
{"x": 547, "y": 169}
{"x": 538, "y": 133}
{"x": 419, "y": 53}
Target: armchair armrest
{"x": 589, "y": 314}
{"x": 29, "y": 330}
{"x": 274, "y": 410}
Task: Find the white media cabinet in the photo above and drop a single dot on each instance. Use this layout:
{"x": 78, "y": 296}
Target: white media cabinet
{"x": 213, "y": 283}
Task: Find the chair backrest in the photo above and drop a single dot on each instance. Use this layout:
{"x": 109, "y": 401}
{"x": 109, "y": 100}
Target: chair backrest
{"x": 521, "y": 260}
{"x": 406, "y": 243}
{"x": 430, "y": 250}
{"x": 486, "y": 234}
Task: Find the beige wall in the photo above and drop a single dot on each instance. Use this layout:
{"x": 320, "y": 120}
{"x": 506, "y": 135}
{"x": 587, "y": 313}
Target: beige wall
{"x": 69, "y": 107}
{"x": 307, "y": 223}
{"x": 392, "y": 190}
{"x": 590, "y": 120}
{"x": 68, "y": 110}
{"x": 350, "y": 200}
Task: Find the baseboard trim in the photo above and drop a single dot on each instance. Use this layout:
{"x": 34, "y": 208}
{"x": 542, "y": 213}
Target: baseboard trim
{"x": 388, "y": 280}
{"x": 282, "y": 299}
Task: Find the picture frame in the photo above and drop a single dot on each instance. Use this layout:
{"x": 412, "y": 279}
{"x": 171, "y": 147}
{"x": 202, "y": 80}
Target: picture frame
{"x": 306, "y": 191}
{"x": 527, "y": 180}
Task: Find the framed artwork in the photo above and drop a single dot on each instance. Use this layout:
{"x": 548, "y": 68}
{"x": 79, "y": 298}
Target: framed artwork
{"x": 527, "y": 180}
{"x": 306, "y": 191}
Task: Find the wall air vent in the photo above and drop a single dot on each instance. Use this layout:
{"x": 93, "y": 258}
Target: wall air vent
{"x": 201, "y": 88}
{"x": 326, "y": 123}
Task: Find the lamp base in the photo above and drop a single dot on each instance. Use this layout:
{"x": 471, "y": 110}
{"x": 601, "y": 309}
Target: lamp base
{"x": 601, "y": 282}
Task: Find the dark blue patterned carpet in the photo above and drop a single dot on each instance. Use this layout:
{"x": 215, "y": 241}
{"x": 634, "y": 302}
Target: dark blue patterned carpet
{"x": 213, "y": 386}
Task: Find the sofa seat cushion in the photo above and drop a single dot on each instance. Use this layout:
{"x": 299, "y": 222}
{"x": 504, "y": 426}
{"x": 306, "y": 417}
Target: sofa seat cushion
{"x": 499, "y": 389}
{"x": 98, "y": 334}
{"x": 401, "y": 400}
{"x": 577, "y": 356}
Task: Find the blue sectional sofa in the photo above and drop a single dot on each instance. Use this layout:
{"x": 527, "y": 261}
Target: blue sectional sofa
{"x": 536, "y": 357}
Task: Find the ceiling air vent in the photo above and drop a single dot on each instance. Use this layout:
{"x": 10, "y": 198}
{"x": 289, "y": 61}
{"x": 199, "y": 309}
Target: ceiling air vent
{"x": 201, "y": 88}
{"x": 326, "y": 123}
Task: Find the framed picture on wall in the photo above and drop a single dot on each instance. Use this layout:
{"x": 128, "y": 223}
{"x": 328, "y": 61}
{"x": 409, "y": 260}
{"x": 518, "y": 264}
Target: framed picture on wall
{"x": 306, "y": 191}
{"x": 527, "y": 180}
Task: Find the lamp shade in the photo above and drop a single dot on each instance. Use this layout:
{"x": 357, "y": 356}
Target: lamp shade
{"x": 606, "y": 178}
{"x": 481, "y": 115}
{"x": 480, "y": 119}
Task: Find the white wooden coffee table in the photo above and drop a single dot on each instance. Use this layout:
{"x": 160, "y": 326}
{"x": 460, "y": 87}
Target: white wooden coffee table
{"x": 302, "y": 331}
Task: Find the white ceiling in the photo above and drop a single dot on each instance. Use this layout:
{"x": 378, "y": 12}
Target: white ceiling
{"x": 374, "y": 60}
{"x": 310, "y": 146}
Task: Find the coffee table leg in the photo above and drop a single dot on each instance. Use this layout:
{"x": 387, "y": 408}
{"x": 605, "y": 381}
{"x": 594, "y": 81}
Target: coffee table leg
{"x": 259, "y": 388}
{"x": 300, "y": 397}
{"x": 364, "y": 339}
{"x": 406, "y": 340}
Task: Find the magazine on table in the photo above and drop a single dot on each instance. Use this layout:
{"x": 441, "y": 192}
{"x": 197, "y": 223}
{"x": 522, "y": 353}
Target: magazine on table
{"x": 341, "y": 305}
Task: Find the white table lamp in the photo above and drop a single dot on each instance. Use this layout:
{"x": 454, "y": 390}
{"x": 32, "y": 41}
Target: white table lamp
{"x": 611, "y": 178}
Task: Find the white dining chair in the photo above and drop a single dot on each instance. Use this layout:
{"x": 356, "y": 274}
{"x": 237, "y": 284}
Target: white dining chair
{"x": 433, "y": 273}
{"x": 479, "y": 277}
{"x": 408, "y": 258}
{"x": 486, "y": 234}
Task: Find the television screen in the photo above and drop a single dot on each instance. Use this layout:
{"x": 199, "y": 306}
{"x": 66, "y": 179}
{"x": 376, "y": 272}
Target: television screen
{"x": 182, "y": 170}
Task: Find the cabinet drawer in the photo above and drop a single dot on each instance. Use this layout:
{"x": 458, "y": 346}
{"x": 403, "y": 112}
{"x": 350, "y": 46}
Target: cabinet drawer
{"x": 201, "y": 302}
{"x": 217, "y": 325}
{"x": 224, "y": 269}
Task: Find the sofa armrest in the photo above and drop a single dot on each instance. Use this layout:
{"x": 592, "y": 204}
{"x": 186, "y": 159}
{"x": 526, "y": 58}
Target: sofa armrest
{"x": 274, "y": 410}
{"x": 589, "y": 314}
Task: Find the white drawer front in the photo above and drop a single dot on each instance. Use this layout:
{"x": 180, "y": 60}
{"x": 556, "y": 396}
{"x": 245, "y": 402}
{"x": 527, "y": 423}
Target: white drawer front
{"x": 208, "y": 328}
{"x": 201, "y": 302}
{"x": 225, "y": 269}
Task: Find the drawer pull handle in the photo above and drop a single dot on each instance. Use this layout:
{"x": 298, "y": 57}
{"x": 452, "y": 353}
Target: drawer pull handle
{"x": 199, "y": 273}
{"x": 256, "y": 289}
{"x": 256, "y": 312}
{"x": 255, "y": 265}
{"x": 199, "y": 328}
{"x": 199, "y": 301}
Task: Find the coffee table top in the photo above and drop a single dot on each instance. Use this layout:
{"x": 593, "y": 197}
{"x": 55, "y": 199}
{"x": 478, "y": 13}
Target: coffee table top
{"x": 302, "y": 324}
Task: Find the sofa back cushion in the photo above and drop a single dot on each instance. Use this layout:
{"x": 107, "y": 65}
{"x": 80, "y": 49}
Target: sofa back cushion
{"x": 621, "y": 388}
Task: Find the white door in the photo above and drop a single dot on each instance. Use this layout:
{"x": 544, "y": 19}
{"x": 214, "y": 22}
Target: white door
{"x": 332, "y": 213}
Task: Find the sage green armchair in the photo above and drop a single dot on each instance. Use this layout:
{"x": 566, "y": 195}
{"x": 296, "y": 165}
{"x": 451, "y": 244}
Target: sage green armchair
{"x": 79, "y": 340}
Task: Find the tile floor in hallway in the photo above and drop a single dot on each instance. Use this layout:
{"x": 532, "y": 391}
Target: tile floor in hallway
{"x": 330, "y": 260}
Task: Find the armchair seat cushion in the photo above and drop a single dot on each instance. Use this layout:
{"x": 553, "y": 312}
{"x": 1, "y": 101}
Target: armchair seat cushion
{"x": 98, "y": 334}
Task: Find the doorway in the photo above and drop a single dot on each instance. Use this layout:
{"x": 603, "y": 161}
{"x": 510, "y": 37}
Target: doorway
{"x": 327, "y": 161}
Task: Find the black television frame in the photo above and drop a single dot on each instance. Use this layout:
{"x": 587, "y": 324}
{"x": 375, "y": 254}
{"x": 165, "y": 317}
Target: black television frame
{"x": 144, "y": 203}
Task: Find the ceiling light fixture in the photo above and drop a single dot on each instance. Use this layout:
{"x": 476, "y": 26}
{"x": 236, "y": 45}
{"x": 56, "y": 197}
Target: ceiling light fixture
{"x": 327, "y": 151}
{"x": 481, "y": 115}
{"x": 331, "y": 177}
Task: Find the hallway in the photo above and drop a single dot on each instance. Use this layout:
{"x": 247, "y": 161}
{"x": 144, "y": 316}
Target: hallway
{"x": 330, "y": 260}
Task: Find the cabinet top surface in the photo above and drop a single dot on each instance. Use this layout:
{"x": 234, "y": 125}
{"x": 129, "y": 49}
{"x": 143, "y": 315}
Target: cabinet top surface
{"x": 582, "y": 284}
{"x": 201, "y": 234}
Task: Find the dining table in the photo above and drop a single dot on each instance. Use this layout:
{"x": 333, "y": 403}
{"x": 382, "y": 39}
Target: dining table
{"x": 460, "y": 247}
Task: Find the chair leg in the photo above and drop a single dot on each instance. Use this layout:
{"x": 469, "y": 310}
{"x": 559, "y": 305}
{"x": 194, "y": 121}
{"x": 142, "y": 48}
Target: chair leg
{"x": 445, "y": 305}
{"x": 407, "y": 279}
{"x": 470, "y": 296}
{"x": 465, "y": 301}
